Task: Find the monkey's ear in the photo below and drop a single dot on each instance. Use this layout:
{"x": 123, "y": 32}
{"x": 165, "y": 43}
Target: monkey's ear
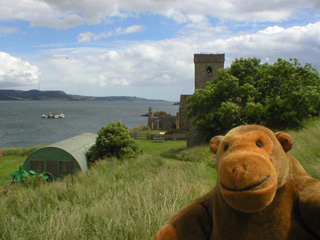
{"x": 214, "y": 143}
{"x": 285, "y": 140}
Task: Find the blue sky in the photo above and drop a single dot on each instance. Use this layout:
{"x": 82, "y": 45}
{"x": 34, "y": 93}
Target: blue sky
{"x": 145, "y": 48}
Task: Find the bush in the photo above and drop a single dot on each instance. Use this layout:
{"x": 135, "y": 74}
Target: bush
{"x": 114, "y": 140}
{"x": 281, "y": 95}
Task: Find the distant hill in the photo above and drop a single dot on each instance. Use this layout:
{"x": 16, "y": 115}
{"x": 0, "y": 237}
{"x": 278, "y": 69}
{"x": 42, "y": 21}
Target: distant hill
{"x": 36, "y": 95}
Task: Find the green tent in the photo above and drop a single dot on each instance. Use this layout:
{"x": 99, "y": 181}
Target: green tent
{"x": 62, "y": 158}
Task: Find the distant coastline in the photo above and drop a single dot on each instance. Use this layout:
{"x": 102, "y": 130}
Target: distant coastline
{"x": 36, "y": 95}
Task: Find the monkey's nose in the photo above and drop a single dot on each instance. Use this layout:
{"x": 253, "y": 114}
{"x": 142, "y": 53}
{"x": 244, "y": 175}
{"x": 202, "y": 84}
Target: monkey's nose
{"x": 238, "y": 173}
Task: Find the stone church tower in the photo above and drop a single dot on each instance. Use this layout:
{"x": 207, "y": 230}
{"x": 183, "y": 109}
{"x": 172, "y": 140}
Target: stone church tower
{"x": 205, "y": 69}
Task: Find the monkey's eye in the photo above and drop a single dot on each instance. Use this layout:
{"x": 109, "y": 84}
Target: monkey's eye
{"x": 259, "y": 144}
{"x": 226, "y": 147}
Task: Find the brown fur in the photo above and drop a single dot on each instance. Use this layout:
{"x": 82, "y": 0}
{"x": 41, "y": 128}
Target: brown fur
{"x": 262, "y": 192}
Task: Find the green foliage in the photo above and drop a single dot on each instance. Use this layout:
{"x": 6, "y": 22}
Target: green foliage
{"x": 34, "y": 182}
{"x": 280, "y": 95}
{"x": 114, "y": 140}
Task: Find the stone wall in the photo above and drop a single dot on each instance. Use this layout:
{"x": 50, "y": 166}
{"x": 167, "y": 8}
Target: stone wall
{"x": 153, "y": 123}
{"x": 174, "y": 136}
{"x": 184, "y": 122}
{"x": 195, "y": 138}
{"x": 166, "y": 123}
{"x": 162, "y": 123}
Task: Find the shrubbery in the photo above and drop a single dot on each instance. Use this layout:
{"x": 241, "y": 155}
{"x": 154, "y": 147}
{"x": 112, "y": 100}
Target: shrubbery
{"x": 114, "y": 140}
{"x": 280, "y": 95}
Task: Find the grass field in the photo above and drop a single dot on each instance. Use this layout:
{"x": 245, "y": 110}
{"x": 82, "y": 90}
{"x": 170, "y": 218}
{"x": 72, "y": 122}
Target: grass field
{"x": 157, "y": 148}
{"x": 11, "y": 160}
{"x": 9, "y": 165}
{"x": 128, "y": 199}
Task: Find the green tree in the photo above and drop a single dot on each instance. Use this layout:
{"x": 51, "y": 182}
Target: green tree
{"x": 282, "y": 95}
{"x": 114, "y": 140}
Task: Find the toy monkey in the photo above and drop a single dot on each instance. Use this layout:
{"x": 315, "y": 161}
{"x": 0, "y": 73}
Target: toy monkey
{"x": 262, "y": 192}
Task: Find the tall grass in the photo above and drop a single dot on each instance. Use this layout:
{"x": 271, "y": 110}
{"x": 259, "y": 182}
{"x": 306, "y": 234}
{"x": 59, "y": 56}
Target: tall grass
{"x": 23, "y": 151}
{"x": 306, "y": 147}
{"x": 115, "y": 200}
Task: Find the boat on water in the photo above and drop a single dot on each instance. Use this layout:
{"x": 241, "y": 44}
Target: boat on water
{"x": 53, "y": 116}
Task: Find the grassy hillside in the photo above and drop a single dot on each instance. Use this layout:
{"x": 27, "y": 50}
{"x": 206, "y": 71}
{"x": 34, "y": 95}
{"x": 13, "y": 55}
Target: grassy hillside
{"x": 115, "y": 200}
{"x": 125, "y": 200}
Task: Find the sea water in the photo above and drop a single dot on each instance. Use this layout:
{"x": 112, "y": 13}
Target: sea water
{"x": 21, "y": 124}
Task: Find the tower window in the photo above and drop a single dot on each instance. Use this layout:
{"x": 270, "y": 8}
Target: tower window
{"x": 209, "y": 70}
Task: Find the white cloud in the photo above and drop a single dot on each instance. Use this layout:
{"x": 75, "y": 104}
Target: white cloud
{"x": 102, "y": 80}
{"x": 16, "y": 73}
{"x": 64, "y": 14}
{"x": 302, "y": 42}
{"x": 38, "y": 13}
{"x": 89, "y": 36}
{"x": 120, "y": 82}
{"x": 129, "y": 30}
{"x": 64, "y": 22}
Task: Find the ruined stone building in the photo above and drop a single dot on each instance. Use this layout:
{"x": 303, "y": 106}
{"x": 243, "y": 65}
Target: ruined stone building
{"x": 205, "y": 69}
{"x": 161, "y": 122}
